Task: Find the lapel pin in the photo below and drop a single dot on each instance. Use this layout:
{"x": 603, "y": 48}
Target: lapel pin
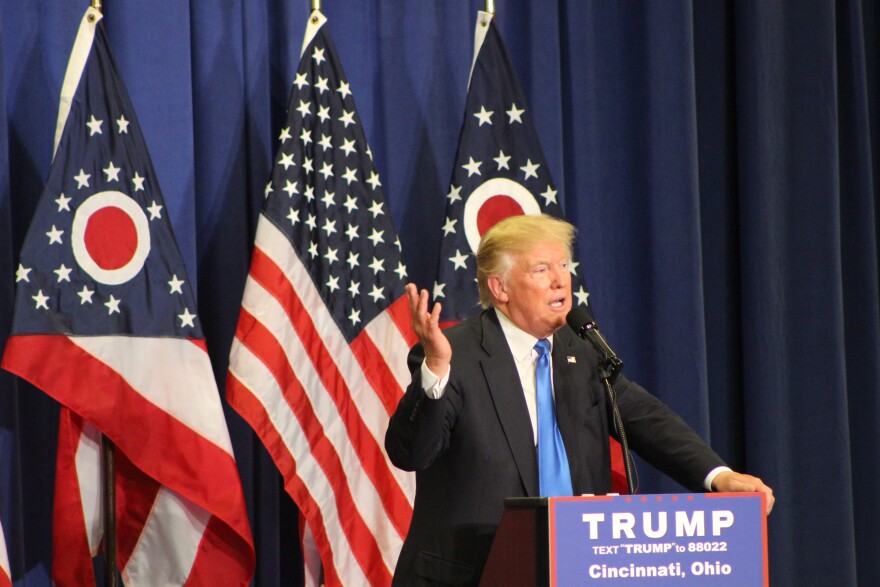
{"x": 572, "y": 359}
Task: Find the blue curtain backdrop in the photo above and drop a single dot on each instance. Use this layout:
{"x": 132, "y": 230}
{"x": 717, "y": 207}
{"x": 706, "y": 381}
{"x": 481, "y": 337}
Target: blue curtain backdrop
{"x": 720, "y": 159}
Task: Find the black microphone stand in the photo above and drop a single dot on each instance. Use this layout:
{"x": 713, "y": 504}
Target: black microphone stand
{"x": 608, "y": 368}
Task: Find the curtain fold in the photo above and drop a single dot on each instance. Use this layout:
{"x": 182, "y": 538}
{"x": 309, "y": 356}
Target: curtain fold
{"x": 719, "y": 159}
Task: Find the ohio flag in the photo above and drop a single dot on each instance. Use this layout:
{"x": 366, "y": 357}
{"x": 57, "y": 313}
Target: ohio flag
{"x": 105, "y": 322}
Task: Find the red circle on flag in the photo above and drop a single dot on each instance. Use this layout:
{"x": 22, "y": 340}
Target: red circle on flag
{"x": 496, "y": 209}
{"x": 110, "y": 238}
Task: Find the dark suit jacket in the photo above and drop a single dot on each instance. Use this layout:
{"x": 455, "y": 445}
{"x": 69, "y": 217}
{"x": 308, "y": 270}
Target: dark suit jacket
{"x": 473, "y": 447}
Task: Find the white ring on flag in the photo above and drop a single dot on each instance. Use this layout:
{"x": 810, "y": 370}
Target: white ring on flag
{"x": 495, "y": 187}
{"x": 84, "y": 213}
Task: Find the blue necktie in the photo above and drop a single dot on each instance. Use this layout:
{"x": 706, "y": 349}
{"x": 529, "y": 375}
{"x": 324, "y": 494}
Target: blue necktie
{"x": 554, "y": 476}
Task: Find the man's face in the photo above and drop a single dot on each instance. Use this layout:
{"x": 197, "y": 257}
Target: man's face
{"x": 538, "y": 290}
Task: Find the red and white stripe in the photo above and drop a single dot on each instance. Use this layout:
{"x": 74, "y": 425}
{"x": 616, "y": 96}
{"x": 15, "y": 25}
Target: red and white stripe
{"x": 321, "y": 407}
{"x": 180, "y": 506}
{"x": 5, "y": 574}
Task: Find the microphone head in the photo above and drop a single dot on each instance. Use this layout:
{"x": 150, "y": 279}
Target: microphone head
{"x": 579, "y": 317}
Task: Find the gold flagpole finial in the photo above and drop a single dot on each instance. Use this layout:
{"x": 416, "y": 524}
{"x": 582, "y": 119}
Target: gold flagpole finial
{"x": 490, "y": 6}
{"x": 316, "y": 5}
{"x": 96, "y": 4}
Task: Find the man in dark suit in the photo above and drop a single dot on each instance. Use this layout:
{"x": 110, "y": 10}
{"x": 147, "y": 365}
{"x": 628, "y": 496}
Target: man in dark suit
{"x": 468, "y": 423}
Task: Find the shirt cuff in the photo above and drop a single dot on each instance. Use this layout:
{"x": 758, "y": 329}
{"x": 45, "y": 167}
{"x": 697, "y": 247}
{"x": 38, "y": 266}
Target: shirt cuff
{"x": 433, "y": 385}
{"x": 711, "y": 476}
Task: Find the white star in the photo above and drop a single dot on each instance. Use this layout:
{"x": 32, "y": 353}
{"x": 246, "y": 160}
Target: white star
{"x": 376, "y": 209}
{"x": 63, "y": 273}
{"x": 112, "y": 172}
{"x": 348, "y": 146}
{"x": 176, "y": 285}
{"x": 307, "y": 164}
{"x": 268, "y": 189}
{"x": 459, "y": 260}
{"x": 514, "y": 114}
{"x": 572, "y": 267}
{"x": 311, "y": 221}
{"x": 352, "y": 260}
{"x": 454, "y": 193}
{"x": 376, "y": 237}
{"x": 347, "y": 118}
{"x": 62, "y": 202}
{"x": 502, "y": 160}
{"x": 530, "y": 169}
{"x": 354, "y": 288}
{"x": 329, "y": 226}
{"x": 322, "y": 84}
{"x": 343, "y": 89}
{"x": 285, "y": 134}
{"x": 305, "y": 136}
{"x": 326, "y": 142}
{"x": 123, "y": 125}
{"x": 138, "y": 182}
{"x": 318, "y": 55}
{"x": 376, "y": 265}
{"x": 401, "y": 271}
{"x": 326, "y": 170}
{"x": 94, "y": 126}
{"x": 485, "y": 116}
{"x": 112, "y": 305}
{"x": 300, "y": 81}
{"x": 350, "y": 174}
{"x": 333, "y": 283}
{"x": 313, "y": 250}
{"x": 54, "y": 235}
{"x": 376, "y": 294}
{"x": 449, "y": 227}
{"x": 303, "y": 108}
{"x": 310, "y": 192}
{"x": 155, "y": 210}
{"x": 41, "y": 300}
{"x": 549, "y": 196}
{"x": 22, "y": 274}
{"x": 351, "y": 232}
{"x": 82, "y": 179}
{"x": 350, "y": 203}
{"x": 85, "y": 295}
{"x": 331, "y": 256}
{"x": 292, "y": 216}
{"x": 582, "y": 296}
{"x": 355, "y": 316}
{"x": 472, "y": 167}
{"x": 438, "y": 290}
{"x": 186, "y": 319}
{"x": 374, "y": 180}
{"x": 290, "y": 188}
{"x": 329, "y": 199}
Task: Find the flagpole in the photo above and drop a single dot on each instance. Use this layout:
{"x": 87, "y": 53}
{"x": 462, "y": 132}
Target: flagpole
{"x": 316, "y": 5}
{"x": 96, "y": 4}
{"x": 490, "y": 6}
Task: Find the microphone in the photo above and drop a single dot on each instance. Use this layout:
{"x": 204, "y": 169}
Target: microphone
{"x": 582, "y": 322}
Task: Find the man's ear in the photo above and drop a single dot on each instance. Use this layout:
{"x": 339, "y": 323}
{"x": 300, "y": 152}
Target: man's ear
{"x": 498, "y": 289}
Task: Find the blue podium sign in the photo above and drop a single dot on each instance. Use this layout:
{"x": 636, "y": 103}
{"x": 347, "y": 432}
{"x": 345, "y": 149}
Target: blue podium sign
{"x": 705, "y": 539}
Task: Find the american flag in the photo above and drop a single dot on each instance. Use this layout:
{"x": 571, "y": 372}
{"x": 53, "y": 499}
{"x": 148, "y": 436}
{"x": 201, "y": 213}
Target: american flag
{"x": 318, "y": 363}
{"x": 106, "y": 323}
{"x": 499, "y": 171}
{"x": 5, "y": 574}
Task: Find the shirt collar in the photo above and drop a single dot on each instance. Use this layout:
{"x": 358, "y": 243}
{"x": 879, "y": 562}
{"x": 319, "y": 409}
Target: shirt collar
{"x": 521, "y": 343}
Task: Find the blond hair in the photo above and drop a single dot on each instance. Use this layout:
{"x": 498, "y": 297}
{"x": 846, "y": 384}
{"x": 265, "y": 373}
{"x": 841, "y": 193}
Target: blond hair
{"x": 511, "y": 237}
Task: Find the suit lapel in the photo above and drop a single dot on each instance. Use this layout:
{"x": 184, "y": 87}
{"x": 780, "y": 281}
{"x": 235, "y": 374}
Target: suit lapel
{"x": 509, "y": 400}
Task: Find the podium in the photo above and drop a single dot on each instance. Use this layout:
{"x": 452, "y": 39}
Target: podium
{"x": 705, "y": 539}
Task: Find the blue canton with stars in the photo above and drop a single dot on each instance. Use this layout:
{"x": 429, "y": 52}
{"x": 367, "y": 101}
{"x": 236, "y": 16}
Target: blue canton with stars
{"x": 497, "y": 140}
{"x": 326, "y": 197}
{"x": 100, "y": 256}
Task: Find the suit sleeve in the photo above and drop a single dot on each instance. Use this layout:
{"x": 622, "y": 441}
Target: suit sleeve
{"x": 663, "y": 438}
{"x": 419, "y": 430}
